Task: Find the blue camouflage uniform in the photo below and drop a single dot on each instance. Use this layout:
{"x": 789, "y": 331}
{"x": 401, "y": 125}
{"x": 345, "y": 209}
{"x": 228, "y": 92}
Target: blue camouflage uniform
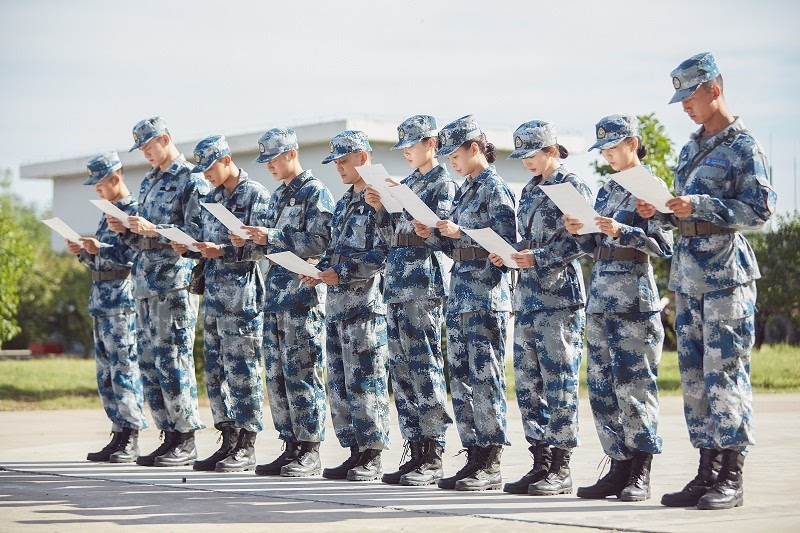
{"x": 480, "y": 298}
{"x": 233, "y": 300}
{"x": 416, "y": 285}
{"x": 298, "y": 219}
{"x": 111, "y": 307}
{"x": 165, "y": 311}
{"x": 548, "y": 303}
{"x": 714, "y": 270}
{"x": 624, "y": 329}
{"x": 356, "y": 315}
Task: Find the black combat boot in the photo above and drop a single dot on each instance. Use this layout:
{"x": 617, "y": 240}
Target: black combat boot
{"x": 368, "y": 467}
{"x": 340, "y": 472}
{"x": 149, "y": 460}
{"x": 307, "y": 462}
{"x": 290, "y": 451}
{"x": 704, "y": 480}
{"x": 611, "y": 484}
{"x": 541, "y": 463}
{"x": 429, "y": 471}
{"x": 728, "y": 491}
{"x": 229, "y": 435}
{"x": 108, "y": 449}
{"x": 474, "y": 457}
{"x": 558, "y": 479}
{"x": 243, "y": 456}
{"x": 128, "y": 448}
{"x": 637, "y": 488}
{"x": 417, "y": 454}
{"x": 183, "y": 451}
{"x": 487, "y": 475}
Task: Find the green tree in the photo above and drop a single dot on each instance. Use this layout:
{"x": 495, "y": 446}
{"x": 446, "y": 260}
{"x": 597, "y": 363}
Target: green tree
{"x": 661, "y": 158}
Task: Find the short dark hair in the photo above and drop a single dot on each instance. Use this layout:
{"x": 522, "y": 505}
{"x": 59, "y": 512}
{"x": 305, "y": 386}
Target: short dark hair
{"x": 707, "y": 85}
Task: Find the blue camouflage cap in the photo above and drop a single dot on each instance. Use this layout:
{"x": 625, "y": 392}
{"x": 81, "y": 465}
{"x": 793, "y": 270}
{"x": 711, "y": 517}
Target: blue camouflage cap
{"x": 101, "y": 166}
{"x": 691, "y": 74}
{"x": 208, "y": 151}
{"x": 347, "y": 142}
{"x": 146, "y": 129}
{"x": 414, "y": 129}
{"x": 614, "y": 129}
{"x": 275, "y": 142}
{"x": 457, "y": 133}
{"x": 531, "y": 137}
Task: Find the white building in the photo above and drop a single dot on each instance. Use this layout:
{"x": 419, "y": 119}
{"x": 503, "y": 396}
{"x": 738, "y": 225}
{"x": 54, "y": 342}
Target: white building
{"x": 71, "y": 197}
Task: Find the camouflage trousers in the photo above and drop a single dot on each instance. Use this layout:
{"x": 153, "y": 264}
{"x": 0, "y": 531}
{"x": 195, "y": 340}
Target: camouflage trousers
{"x": 547, "y": 355}
{"x": 118, "y": 379}
{"x": 476, "y": 348}
{"x": 624, "y": 352}
{"x": 357, "y": 386}
{"x": 716, "y": 332}
{"x": 232, "y": 355}
{"x": 165, "y": 341}
{"x": 416, "y": 365}
{"x": 295, "y": 363}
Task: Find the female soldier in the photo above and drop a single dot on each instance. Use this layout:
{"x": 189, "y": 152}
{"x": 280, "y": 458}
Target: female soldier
{"x": 415, "y": 288}
{"x": 478, "y": 305}
{"x": 548, "y": 314}
{"x": 624, "y": 328}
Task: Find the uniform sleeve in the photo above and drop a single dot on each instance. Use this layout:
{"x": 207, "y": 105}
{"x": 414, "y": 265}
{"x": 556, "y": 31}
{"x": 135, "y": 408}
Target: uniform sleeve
{"x": 444, "y": 197}
{"x": 656, "y": 240}
{"x": 193, "y": 193}
{"x": 314, "y": 240}
{"x": 563, "y": 248}
{"x": 87, "y": 259}
{"x": 385, "y": 224}
{"x": 364, "y": 266}
{"x": 755, "y": 200}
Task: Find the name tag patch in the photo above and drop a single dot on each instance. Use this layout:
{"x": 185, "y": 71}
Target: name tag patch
{"x": 717, "y": 162}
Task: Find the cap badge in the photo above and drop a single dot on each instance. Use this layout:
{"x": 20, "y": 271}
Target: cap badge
{"x": 601, "y": 133}
{"x": 518, "y": 142}
{"x": 197, "y": 157}
{"x": 442, "y": 138}
{"x": 401, "y": 134}
{"x": 135, "y": 137}
{"x": 676, "y": 82}
{"x": 261, "y": 148}
{"x": 332, "y": 148}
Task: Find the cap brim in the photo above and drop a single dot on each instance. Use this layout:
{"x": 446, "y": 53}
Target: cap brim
{"x": 682, "y": 94}
{"x": 523, "y": 154}
{"x": 405, "y": 144}
{"x": 92, "y": 181}
{"x": 602, "y": 145}
{"x": 447, "y": 150}
{"x": 264, "y": 158}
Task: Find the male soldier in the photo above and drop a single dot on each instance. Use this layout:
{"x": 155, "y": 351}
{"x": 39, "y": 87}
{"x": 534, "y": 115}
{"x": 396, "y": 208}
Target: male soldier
{"x": 721, "y": 187}
{"x": 298, "y": 220}
{"x": 233, "y": 318}
{"x": 356, "y": 319}
{"x": 165, "y": 311}
{"x": 111, "y": 308}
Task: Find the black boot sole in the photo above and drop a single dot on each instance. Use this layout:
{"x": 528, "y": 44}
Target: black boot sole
{"x": 412, "y": 483}
{"x": 374, "y": 477}
{"x": 633, "y": 498}
{"x": 247, "y": 468}
{"x": 297, "y": 473}
{"x": 204, "y": 467}
{"x": 537, "y": 492}
{"x": 703, "y": 506}
{"x": 469, "y": 488}
{"x": 336, "y": 476}
{"x": 515, "y": 490}
{"x": 141, "y": 461}
{"x": 122, "y": 460}
{"x": 688, "y": 502}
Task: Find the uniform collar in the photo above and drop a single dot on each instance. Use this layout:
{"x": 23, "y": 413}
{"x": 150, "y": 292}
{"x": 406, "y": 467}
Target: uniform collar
{"x": 483, "y": 175}
{"x": 243, "y": 178}
{"x": 177, "y": 163}
{"x": 735, "y": 126}
{"x": 298, "y": 181}
{"x": 125, "y": 200}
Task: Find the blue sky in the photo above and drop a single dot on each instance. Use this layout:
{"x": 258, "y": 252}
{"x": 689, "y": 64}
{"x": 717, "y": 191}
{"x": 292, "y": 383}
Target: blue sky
{"x": 77, "y": 75}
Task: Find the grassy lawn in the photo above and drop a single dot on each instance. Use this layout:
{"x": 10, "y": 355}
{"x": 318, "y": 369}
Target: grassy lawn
{"x": 70, "y": 383}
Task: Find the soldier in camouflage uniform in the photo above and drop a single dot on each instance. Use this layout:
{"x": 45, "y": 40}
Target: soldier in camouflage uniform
{"x": 624, "y": 328}
{"x": 478, "y": 304}
{"x": 416, "y": 285}
{"x": 548, "y": 315}
{"x": 298, "y": 220}
{"x": 352, "y": 268}
{"x": 233, "y": 317}
{"x": 165, "y": 311}
{"x": 722, "y": 189}
{"x": 114, "y": 322}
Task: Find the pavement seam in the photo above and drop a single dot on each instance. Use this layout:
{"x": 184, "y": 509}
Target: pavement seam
{"x": 341, "y": 504}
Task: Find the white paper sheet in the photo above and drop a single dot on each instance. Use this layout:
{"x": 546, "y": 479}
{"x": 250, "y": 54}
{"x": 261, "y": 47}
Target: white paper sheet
{"x": 414, "y": 205}
{"x": 376, "y": 176}
{"x": 227, "y": 218}
{"x": 493, "y": 243}
{"x": 60, "y": 227}
{"x": 110, "y": 209}
{"x": 569, "y": 200}
{"x": 179, "y": 236}
{"x": 293, "y": 263}
{"x": 645, "y": 186}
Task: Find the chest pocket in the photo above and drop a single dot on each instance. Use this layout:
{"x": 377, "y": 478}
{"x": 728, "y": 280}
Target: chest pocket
{"x": 291, "y": 217}
{"x": 355, "y": 232}
{"x": 167, "y": 198}
{"x": 709, "y": 179}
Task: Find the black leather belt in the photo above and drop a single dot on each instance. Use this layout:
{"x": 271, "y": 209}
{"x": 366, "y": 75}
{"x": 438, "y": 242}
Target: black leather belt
{"x": 469, "y": 254}
{"x": 151, "y": 243}
{"x": 529, "y": 245}
{"x": 620, "y": 254}
{"x": 108, "y": 275}
{"x": 409, "y": 239}
{"x": 698, "y": 229}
